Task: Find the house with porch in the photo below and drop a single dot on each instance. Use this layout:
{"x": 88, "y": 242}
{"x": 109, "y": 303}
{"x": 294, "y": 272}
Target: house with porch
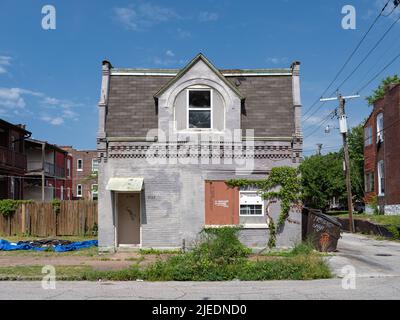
{"x": 49, "y": 172}
{"x": 169, "y": 139}
{"x": 13, "y": 163}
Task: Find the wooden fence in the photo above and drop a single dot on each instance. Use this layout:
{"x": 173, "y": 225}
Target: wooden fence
{"x": 41, "y": 219}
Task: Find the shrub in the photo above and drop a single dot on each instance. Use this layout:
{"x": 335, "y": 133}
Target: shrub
{"x": 375, "y": 206}
{"x": 56, "y": 203}
{"x": 8, "y": 206}
{"x": 220, "y": 256}
{"x": 220, "y": 245}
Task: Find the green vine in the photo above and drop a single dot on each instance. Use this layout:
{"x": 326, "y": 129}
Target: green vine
{"x": 56, "y": 205}
{"x": 282, "y": 184}
{"x": 9, "y": 206}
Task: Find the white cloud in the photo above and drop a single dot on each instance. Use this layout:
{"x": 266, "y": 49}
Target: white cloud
{"x": 183, "y": 34}
{"x": 143, "y": 16}
{"x": 22, "y": 102}
{"x": 5, "y": 62}
{"x": 169, "y": 53}
{"x": 55, "y": 121}
{"x": 14, "y": 97}
{"x": 276, "y": 60}
{"x": 206, "y": 16}
{"x": 168, "y": 59}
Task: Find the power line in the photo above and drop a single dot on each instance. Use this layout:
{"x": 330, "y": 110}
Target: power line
{"x": 379, "y": 59}
{"x": 348, "y": 60}
{"x": 325, "y": 120}
{"x": 395, "y": 5}
{"x": 377, "y": 75}
{"x": 369, "y": 53}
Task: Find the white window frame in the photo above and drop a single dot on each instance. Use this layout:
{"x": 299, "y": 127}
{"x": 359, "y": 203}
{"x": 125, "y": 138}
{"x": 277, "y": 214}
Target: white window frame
{"x": 92, "y": 192}
{"x": 68, "y": 168}
{"x": 95, "y": 160}
{"x": 368, "y": 136}
{"x": 381, "y": 176}
{"x": 68, "y": 193}
{"x": 79, "y": 194}
{"x": 369, "y": 182}
{"x": 379, "y": 127}
{"x": 199, "y": 109}
{"x": 251, "y": 215}
{"x": 62, "y": 193}
{"x": 77, "y": 165}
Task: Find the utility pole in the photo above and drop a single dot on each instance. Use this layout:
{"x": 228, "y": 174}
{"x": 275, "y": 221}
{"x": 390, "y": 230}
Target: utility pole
{"x": 319, "y": 148}
{"x": 343, "y": 130}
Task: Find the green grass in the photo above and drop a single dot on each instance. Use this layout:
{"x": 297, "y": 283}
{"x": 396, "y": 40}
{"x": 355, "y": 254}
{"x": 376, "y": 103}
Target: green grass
{"x": 299, "y": 249}
{"x": 158, "y": 251}
{"x": 380, "y": 219}
{"x": 35, "y": 272}
{"x": 391, "y": 222}
{"x": 184, "y": 268}
{"x": 220, "y": 256}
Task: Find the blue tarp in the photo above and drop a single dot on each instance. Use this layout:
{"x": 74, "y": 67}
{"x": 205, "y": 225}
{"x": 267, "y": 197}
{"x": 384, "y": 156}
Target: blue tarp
{"x": 9, "y": 246}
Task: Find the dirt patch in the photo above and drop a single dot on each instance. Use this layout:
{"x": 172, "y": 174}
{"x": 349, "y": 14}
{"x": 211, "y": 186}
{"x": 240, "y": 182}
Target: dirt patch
{"x": 111, "y": 261}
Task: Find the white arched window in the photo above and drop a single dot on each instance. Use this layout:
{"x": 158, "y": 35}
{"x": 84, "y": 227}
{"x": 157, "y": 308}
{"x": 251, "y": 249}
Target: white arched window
{"x": 199, "y": 108}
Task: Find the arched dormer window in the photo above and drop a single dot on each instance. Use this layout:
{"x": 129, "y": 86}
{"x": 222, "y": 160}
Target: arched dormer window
{"x": 199, "y": 108}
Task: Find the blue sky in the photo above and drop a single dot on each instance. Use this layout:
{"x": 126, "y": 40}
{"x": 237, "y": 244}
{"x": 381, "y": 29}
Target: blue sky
{"x": 50, "y": 79}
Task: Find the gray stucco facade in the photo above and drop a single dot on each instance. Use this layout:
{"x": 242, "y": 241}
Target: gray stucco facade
{"x": 139, "y": 135}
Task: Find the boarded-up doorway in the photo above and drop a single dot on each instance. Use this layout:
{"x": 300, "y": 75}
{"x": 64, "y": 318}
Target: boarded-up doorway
{"x": 128, "y": 227}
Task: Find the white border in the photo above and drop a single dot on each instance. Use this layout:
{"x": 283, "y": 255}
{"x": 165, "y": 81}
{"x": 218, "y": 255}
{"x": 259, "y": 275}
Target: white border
{"x": 252, "y": 215}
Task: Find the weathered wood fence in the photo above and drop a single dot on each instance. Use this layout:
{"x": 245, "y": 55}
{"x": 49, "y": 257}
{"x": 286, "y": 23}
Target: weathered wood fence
{"x": 41, "y": 219}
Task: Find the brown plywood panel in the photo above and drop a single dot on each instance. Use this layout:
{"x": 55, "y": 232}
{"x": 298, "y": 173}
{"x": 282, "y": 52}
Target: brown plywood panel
{"x": 222, "y": 204}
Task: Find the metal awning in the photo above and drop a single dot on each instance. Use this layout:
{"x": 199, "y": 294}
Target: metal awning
{"x": 125, "y": 184}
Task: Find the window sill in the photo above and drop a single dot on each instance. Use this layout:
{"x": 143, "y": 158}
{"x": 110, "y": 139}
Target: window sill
{"x": 255, "y": 226}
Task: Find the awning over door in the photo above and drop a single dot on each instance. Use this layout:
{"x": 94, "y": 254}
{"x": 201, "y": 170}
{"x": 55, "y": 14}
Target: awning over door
{"x": 125, "y": 184}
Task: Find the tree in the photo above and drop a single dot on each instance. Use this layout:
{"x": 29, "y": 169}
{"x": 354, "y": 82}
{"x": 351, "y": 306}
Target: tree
{"x": 381, "y": 90}
{"x": 323, "y": 177}
{"x": 356, "y": 151}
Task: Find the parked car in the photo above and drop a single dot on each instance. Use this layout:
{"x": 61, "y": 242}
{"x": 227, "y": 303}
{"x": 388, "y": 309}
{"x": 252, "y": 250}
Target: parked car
{"x": 359, "y": 207}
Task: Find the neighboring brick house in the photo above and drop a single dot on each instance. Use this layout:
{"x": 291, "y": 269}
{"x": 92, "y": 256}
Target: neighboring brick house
{"x": 85, "y": 167}
{"x": 382, "y": 153}
{"x": 168, "y": 140}
{"x": 48, "y": 174}
{"x": 12, "y": 159}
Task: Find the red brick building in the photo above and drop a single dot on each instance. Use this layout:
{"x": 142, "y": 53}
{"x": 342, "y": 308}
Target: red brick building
{"x": 84, "y": 184}
{"x": 382, "y": 152}
{"x": 12, "y": 159}
{"x": 49, "y": 172}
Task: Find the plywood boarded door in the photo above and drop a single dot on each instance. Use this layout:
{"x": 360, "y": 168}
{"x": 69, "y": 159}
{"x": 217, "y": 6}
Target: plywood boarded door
{"x": 222, "y": 204}
{"x": 128, "y": 229}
